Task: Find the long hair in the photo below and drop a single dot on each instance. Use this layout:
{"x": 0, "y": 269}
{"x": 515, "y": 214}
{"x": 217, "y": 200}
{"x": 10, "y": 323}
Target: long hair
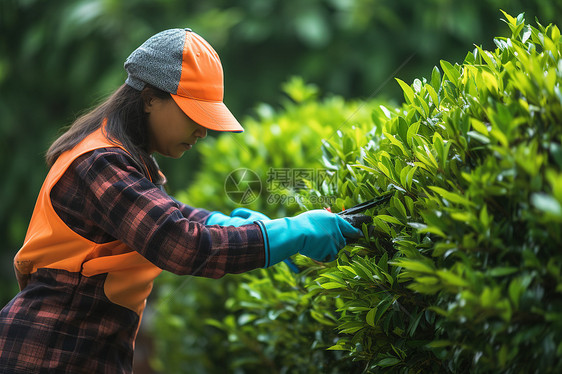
{"x": 126, "y": 125}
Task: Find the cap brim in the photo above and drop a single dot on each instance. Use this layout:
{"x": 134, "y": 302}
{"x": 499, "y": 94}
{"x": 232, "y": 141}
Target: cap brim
{"x": 213, "y": 115}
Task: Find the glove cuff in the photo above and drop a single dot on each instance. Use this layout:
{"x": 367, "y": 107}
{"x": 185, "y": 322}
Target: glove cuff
{"x": 279, "y": 243}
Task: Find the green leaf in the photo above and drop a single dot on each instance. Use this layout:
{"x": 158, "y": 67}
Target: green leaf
{"x": 497, "y": 134}
{"x": 451, "y": 196}
{"x": 413, "y": 265}
{"x": 383, "y": 262}
{"x": 384, "y": 170}
{"x": 430, "y": 280}
{"x": 403, "y": 175}
{"x": 481, "y": 138}
{"x": 382, "y": 307}
{"x": 510, "y": 20}
{"x": 488, "y": 58}
{"x": 383, "y": 226}
{"x": 479, "y": 126}
{"x": 433, "y": 95}
{"x": 414, "y": 324}
{"x": 408, "y": 92}
{"x": 424, "y": 105}
{"x": 396, "y": 142}
{"x": 439, "y": 146}
{"x": 450, "y": 72}
{"x": 337, "y": 347}
{"x": 440, "y": 343}
{"x": 410, "y": 177}
{"x": 367, "y": 168}
{"x": 387, "y": 362}
{"x": 370, "y": 318}
{"x": 412, "y": 131}
{"x": 347, "y": 270}
{"x": 351, "y": 327}
{"x": 322, "y": 318}
{"x": 331, "y": 285}
{"x": 427, "y": 159}
{"x": 215, "y": 323}
{"x": 409, "y": 203}
{"x": 452, "y": 279}
{"x": 333, "y": 277}
{"x": 502, "y": 271}
{"x": 389, "y": 219}
{"x": 463, "y": 216}
{"x": 362, "y": 271}
{"x": 433, "y": 230}
{"x": 436, "y": 78}
{"x": 396, "y": 203}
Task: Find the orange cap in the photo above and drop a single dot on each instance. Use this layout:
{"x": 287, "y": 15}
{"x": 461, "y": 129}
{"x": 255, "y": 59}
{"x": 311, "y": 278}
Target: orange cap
{"x": 182, "y": 63}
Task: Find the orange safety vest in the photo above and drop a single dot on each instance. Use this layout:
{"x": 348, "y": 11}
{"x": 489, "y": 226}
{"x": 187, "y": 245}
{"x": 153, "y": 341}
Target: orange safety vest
{"x": 51, "y": 244}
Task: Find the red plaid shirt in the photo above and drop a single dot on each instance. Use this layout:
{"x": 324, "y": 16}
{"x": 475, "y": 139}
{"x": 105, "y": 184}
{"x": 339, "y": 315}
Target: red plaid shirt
{"x": 104, "y": 197}
{"x": 62, "y": 322}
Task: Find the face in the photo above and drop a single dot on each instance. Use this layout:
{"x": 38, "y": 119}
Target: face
{"x": 171, "y": 131}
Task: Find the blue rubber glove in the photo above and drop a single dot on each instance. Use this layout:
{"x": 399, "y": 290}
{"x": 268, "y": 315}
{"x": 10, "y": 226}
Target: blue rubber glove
{"x": 238, "y": 217}
{"x": 317, "y": 234}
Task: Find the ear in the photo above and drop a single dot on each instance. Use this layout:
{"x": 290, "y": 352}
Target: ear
{"x": 148, "y": 101}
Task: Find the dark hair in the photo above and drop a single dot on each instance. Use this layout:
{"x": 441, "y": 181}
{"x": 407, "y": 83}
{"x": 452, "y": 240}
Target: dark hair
{"x": 126, "y": 125}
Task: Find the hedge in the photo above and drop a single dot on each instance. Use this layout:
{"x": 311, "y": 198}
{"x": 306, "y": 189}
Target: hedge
{"x": 460, "y": 270}
{"x": 472, "y": 234}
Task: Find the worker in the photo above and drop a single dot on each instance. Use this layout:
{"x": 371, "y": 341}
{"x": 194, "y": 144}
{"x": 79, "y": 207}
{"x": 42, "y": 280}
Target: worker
{"x": 103, "y": 228}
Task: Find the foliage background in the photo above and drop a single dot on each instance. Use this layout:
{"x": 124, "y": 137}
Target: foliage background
{"x": 59, "y": 58}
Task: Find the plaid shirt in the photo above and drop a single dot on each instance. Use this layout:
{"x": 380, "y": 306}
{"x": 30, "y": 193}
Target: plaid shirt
{"x": 104, "y": 197}
{"x": 62, "y": 322}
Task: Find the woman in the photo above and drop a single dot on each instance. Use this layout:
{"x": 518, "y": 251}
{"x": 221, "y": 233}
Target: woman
{"x": 103, "y": 228}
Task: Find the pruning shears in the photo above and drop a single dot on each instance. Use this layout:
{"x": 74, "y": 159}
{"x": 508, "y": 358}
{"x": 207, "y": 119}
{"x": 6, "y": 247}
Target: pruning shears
{"x": 355, "y": 217}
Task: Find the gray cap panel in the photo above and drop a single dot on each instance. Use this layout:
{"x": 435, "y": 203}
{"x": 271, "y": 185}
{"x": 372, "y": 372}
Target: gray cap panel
{"x": 158, "y": 61}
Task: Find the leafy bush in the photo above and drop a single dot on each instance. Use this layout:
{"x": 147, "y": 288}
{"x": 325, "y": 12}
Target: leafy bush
{"x": 472, "y": 233}
{"x": 460, "y": 270}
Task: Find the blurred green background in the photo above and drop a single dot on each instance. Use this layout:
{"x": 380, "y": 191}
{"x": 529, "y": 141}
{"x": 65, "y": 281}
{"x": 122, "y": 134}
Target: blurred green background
{"x": 59, "y": 58}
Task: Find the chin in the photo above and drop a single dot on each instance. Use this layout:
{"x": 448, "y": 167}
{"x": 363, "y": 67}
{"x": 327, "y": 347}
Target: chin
{"x": 176, "y": 156}
{"x": 171, "y": 155}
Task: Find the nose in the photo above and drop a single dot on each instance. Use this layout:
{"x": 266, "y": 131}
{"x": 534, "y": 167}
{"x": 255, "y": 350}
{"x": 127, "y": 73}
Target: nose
{"x": 201, "y": 132}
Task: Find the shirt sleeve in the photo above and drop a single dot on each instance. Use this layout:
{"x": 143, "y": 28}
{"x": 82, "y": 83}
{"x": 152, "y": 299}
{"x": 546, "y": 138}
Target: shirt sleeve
{"x": 193, "y": 214}
{"x": 171, "y": 235}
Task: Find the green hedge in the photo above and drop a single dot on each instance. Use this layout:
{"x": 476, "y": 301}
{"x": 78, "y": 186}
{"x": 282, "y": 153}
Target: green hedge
{"x": 460, "y": 270}
{"x": 472, "y": 234}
